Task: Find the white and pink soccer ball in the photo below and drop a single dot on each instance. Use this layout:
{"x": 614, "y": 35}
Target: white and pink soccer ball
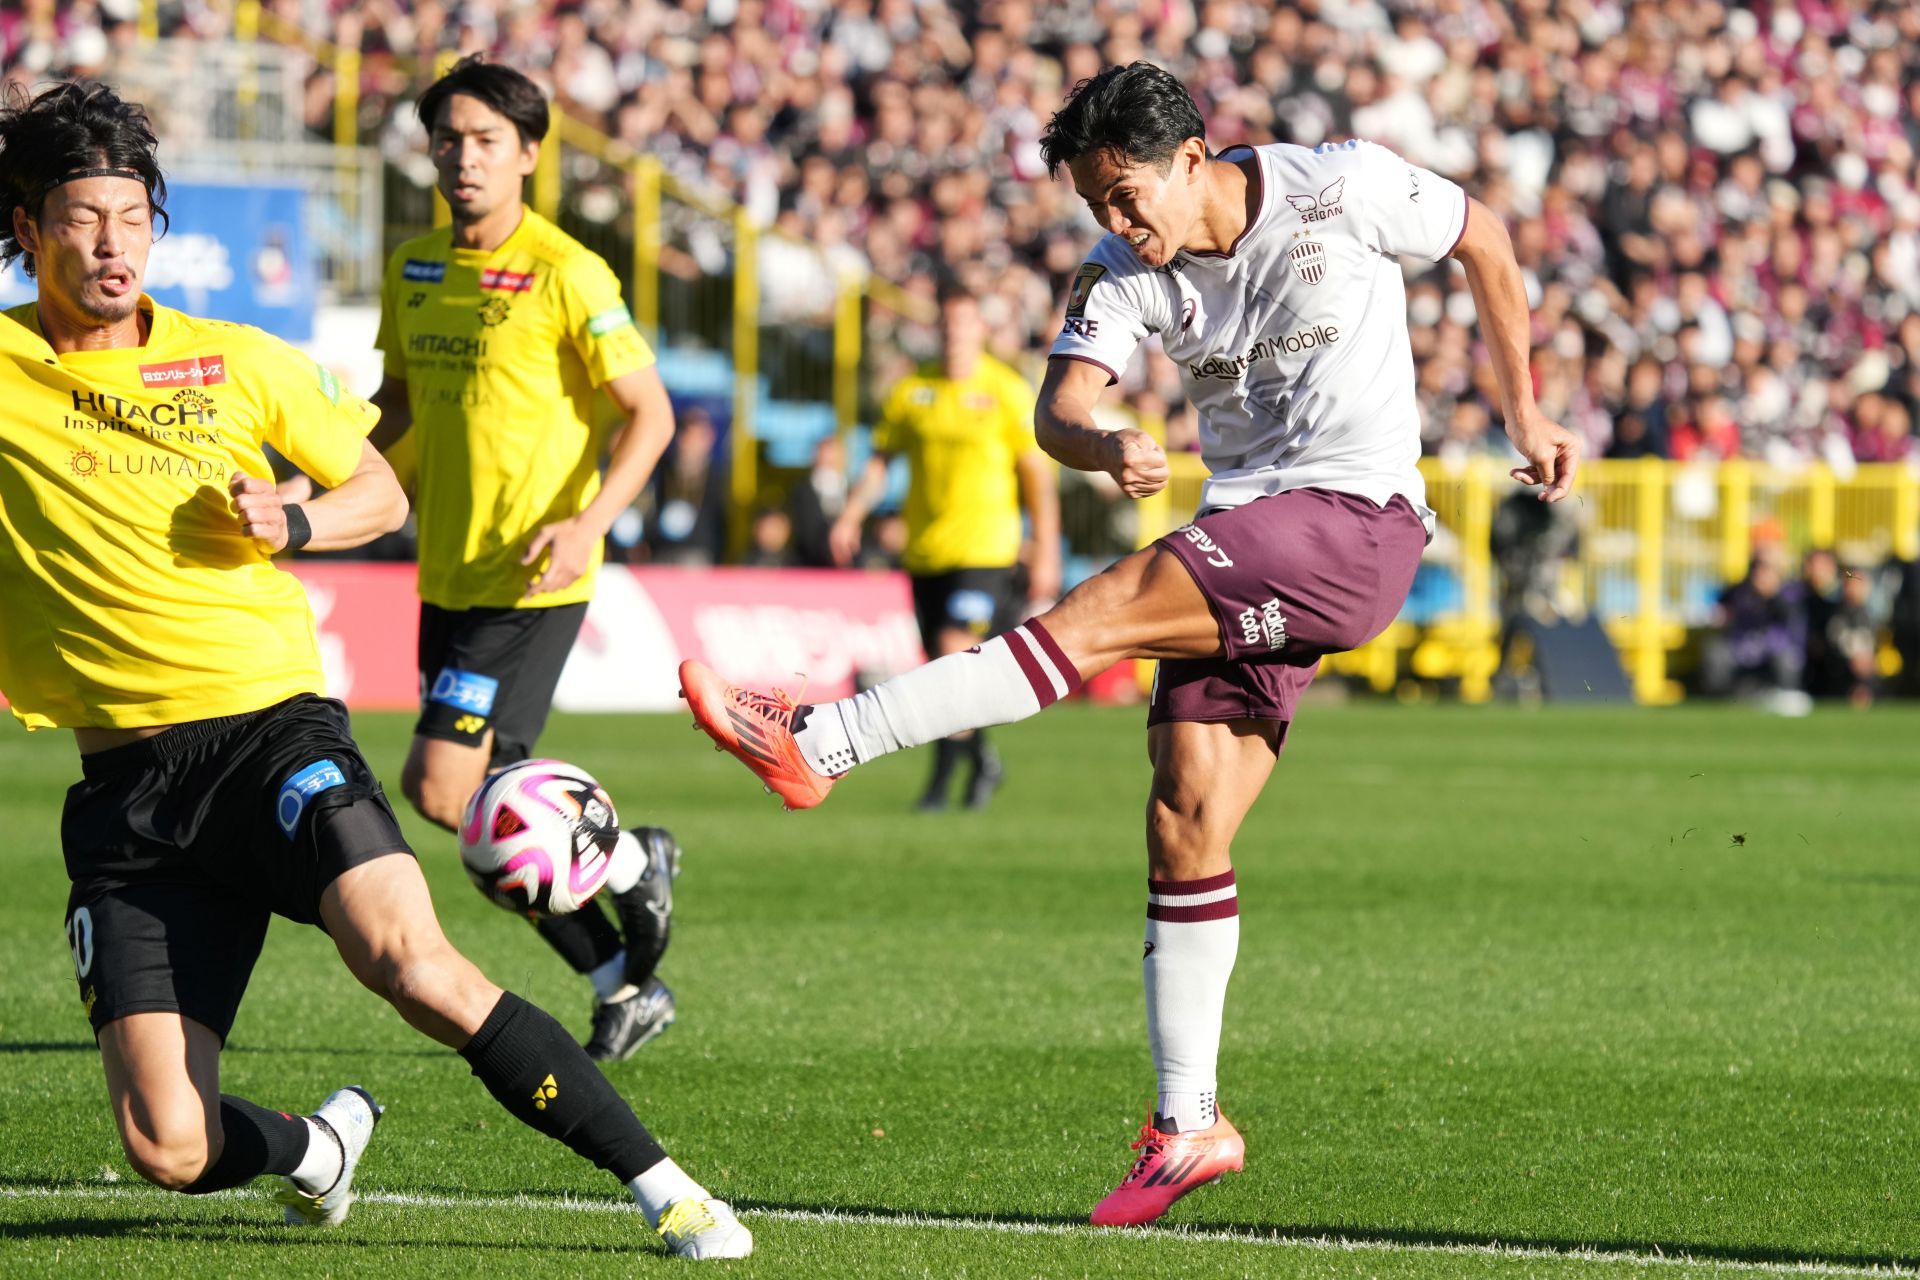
{"x": 538, "y": 837}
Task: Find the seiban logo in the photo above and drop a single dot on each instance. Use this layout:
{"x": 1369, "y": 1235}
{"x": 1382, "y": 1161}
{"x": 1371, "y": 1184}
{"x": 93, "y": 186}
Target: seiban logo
{"x": 195, "y": 371}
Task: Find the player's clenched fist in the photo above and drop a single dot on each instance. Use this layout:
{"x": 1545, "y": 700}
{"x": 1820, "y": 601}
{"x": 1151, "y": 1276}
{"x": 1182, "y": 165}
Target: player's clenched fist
{"x": 1137, "y": 462}
{"x": 261, "y": 509}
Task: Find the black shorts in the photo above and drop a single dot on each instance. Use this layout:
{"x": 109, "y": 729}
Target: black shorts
{"x": 182, "y": 845}
{"x": 495, "y": 669}
{"x": 976, "y": 601}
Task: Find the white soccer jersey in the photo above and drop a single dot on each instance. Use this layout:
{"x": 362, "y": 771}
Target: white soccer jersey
{"x": 1293, "y": 344}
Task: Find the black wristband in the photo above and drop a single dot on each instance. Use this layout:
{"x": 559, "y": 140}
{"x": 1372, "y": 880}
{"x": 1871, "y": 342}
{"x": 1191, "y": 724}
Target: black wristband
{"x": 299, "y": 528}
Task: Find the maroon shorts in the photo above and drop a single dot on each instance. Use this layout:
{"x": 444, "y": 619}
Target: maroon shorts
{"x": 1290, "y": 578}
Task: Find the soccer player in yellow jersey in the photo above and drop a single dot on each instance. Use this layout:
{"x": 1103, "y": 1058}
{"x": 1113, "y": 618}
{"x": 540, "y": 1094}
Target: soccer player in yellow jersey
{"x": 219, "y": 787}
{"x": 499, "y": 333}
{"x": 965, "y": 426}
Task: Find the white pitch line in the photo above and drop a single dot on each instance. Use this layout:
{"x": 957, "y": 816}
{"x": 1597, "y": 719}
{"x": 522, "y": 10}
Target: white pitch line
{"x": 1272, "y": 1240}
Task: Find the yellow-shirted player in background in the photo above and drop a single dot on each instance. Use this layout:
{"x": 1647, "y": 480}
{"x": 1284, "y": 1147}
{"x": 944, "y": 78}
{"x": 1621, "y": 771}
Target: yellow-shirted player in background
{"x": 139, "y": 607}
{"x": 499, "y": 332}
{"x": 965, "y": 426}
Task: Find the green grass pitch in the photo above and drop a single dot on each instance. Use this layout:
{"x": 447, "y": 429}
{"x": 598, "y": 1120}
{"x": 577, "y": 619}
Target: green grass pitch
{"x": 1564, "y": 993}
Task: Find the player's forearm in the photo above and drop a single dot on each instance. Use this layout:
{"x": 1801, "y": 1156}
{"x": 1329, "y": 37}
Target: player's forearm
{"x": 636, "y": 452}
{"x": 1500, "y": 299}
{"x": 366, "y": 505}
{"x": 1066, "y": 431}
{"x": 868, "y": 490}
{"x": 1041, "y": 497}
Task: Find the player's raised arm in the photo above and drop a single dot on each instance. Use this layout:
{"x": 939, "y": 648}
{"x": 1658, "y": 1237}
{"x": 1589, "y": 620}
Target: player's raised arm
{"x": 365, "y": 505}
{"x": 396, "y": 412}
{"x": 1063, "y": 423}
{"x": 1552, "y": 452}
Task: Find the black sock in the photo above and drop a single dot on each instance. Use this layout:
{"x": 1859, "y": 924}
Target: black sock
{"x": 977, "y": 749}
{"x": 258, "y": 1141}
{"x": 534, "y": 1069}
{"x": 586, "y": 939}
{"x": 946, "y": 754}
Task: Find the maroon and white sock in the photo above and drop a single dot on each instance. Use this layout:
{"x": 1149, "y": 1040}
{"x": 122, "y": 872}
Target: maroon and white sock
{"x": 1193, "y": 935}
{"x": 1007, "y": 678}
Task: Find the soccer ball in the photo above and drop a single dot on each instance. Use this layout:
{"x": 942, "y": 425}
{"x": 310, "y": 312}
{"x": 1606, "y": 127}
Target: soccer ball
{"x": 538, "y": 837}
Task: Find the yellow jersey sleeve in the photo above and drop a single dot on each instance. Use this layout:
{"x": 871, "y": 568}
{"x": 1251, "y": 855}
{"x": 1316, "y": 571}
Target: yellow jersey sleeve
{"x": 310, "y": 416}
{"x": 890, "y": 433}
{"x": 393, "y": 360}
{"x": 597, "y": 321}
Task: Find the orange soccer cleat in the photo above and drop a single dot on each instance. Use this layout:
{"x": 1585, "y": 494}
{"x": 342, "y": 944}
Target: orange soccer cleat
{"x": 757, "y": 729}
{"x": 1170, "y": 1165}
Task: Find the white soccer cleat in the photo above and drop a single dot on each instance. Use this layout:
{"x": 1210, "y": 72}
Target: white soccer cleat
{"x": 350, "y": 1115}
{"x": 704, "y": 1229}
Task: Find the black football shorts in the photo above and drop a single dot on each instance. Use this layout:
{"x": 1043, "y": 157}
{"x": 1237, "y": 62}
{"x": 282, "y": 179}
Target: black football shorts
{"x": 181, "y": 846}
{"x": 495, "y": 669}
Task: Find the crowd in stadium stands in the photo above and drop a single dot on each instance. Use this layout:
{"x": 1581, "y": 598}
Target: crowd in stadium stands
{"x": 1717, "y": 205}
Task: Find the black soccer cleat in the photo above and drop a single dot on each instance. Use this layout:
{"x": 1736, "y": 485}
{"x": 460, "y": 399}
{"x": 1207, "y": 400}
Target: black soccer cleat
{"x": 620, "y": 1027}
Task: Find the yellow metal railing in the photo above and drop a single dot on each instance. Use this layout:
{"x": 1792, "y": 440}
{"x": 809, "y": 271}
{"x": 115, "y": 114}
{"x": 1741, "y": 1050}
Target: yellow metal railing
{"x": 1658, "y": 542}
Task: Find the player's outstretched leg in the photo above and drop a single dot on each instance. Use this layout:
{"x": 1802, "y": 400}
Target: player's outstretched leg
{"x": 321, "y": 1199}
{"x": 381, "y": 919}
{"x": 640, "y": 882}
{"x": 1145, "y": 606}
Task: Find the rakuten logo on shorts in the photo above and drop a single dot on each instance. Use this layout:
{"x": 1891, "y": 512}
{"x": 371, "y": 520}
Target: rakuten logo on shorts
{"x": 1267, "y": 623}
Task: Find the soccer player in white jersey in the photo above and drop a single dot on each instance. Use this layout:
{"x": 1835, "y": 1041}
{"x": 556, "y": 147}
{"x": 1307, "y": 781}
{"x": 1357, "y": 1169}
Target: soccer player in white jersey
{"x": 1272, "y": 277}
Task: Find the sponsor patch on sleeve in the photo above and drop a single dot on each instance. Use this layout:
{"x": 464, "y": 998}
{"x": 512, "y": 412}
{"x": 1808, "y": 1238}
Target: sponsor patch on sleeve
{"x": 1082, "y": 287}
{"x": 468, "y": 690}
{"x": 609, "y": 320}
{"x": 422, "y": 271}
{"x": 329, "y": 385}
{"x": 297, "y": 792}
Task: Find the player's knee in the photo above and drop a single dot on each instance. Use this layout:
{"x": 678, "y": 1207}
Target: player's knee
{"x": 1180, "y": 845}
{"x": 170, "y": 1159}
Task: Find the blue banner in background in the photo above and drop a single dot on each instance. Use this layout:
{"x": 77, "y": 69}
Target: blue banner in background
{"x": 235, "y": 253}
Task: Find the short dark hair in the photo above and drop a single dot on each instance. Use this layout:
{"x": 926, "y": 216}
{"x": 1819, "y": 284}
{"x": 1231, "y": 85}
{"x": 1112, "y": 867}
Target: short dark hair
{"x": 502, "y": 88}
{"x": 60, "y": 131}
{"x": 1137, "y": 111}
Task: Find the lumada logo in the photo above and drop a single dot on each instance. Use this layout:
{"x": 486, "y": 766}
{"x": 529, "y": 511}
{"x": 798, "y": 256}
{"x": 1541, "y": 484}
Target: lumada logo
{"x": 85, "y": 463}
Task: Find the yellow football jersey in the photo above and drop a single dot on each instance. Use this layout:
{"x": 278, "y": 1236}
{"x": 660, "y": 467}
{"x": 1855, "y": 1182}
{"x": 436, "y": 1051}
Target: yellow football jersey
{"x": 961, "y": 440}
{"x": 503, "y": 354}
{"x": 129, "y": 596}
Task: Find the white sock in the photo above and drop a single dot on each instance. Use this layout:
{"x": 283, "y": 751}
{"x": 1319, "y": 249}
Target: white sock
{"x": 1193, "y": 934}
{"x": 609, "y": 977}
{"x": 627, "y": 865}
{"x": 320, "y": 1168}
{"x": 1007, "y": 678}
{"x": 661, "y": 1187}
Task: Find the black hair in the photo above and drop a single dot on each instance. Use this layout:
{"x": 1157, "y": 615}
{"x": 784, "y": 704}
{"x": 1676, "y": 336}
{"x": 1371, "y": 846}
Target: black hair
{"x": 502, "y": 88}
{"x": 60, "y": 132}
{"x": 1137, "y": 111}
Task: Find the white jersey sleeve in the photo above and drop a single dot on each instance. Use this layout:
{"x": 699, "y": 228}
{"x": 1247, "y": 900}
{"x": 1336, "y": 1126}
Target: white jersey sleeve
{"x": 1407, "y": 211}
{"x": 1112, "y": 304}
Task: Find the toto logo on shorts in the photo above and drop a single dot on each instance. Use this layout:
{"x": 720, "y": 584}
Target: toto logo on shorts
{"x": 468, "y": 690}
{"x": 299, "y": 790}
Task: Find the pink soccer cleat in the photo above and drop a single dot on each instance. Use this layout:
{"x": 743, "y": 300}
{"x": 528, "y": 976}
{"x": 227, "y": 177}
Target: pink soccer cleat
{"x": 757, "y": 728}
{"x": 1170, "y": 1165}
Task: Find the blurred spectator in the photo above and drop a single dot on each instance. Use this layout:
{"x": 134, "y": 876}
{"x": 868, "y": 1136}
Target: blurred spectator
{"x": 690, "y": 497}
{"x": 1761, "y": 646}
{"x": 770, "y": 539}
{"x": 1853, "y": 641}
{"x": 816, "y": 502}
